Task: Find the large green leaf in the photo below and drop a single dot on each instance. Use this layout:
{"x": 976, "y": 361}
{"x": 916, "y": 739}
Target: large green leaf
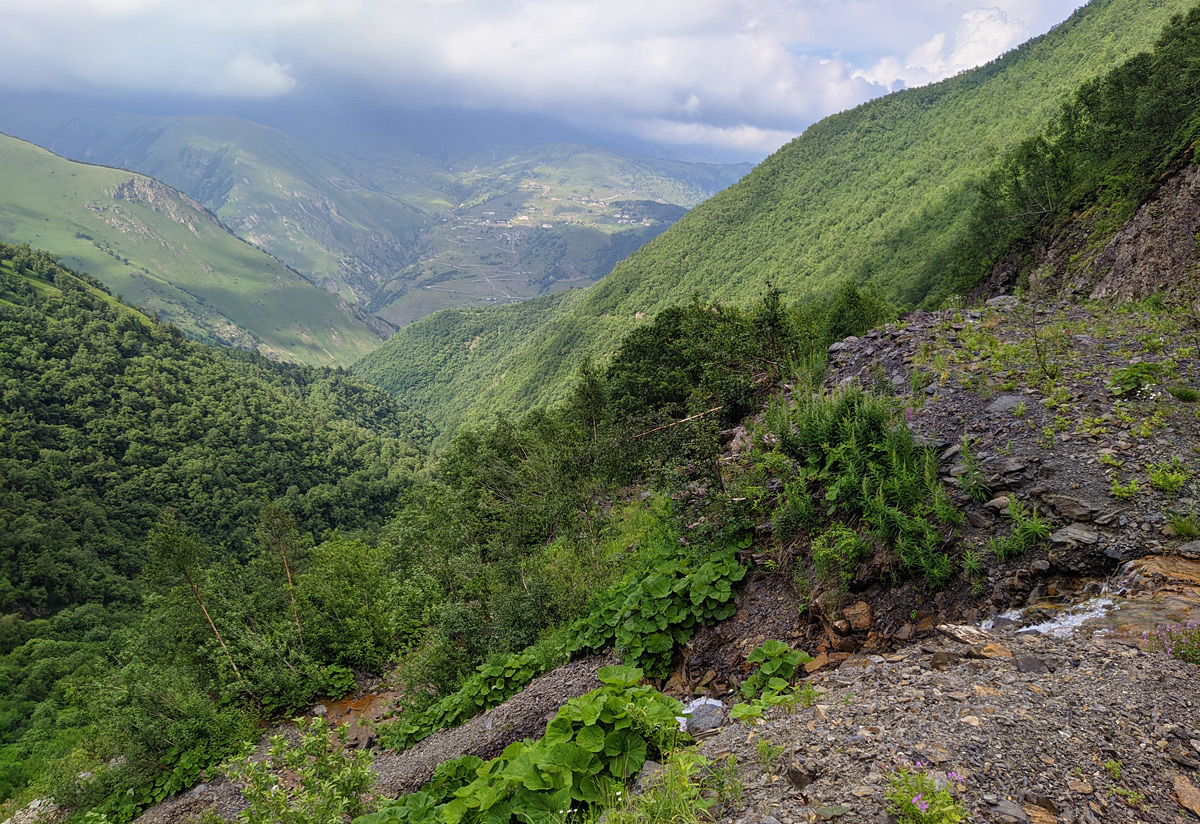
{"x": 620, "y": 675}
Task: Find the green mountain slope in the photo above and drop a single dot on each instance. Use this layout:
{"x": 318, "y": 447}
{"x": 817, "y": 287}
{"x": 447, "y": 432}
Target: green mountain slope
{"x": 268, "y": 187}
{"x": 167, "y": 254}
{"x": 874, "y": 195}
{"x": 386, "y": 221}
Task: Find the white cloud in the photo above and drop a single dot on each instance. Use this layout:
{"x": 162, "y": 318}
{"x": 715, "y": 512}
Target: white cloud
{"x": 982, "y": 35}
{"x": 736, "y": 72}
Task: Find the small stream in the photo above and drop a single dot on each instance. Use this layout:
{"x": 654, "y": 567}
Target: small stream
{"x": 1145, "y": 594}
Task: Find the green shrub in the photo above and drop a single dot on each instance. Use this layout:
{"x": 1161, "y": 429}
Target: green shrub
{"x": 1185, "y": 524}
{"x": 775, "y": 659}
{"x": 314, "y": 782}
{"x": 916, "y": 798}
{"x": 660, "y": 604}
{"x": 1124, "y": 492}
{"x": 1180, "y": 641}
{"x": 855, "y": 462}
{"x": 594, "y": 746}
{"x": 837, "y": 553}
{"x": 1134, "y": 379}
{"x": 1168, "y": 476}
{"x": 1187, "y": 394}
{"x": 1028, "y": 529}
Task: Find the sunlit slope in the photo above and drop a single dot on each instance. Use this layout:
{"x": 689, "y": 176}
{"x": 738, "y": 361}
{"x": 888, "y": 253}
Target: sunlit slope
{"x": 267, "y": 186}
{"x": 872, "y": 194}
{"x": 164, "y": 252}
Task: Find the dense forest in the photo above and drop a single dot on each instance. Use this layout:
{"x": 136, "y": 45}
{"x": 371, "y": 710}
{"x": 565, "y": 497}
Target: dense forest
{"x": 1107, "y": 149}
{"x": 112, "y": 423}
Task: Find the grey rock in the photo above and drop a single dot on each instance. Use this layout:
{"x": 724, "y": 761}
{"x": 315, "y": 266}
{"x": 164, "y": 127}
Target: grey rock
{"x": 1012, "y": 466}
{"x": 320, "y": 710}
{"x": 706, "y": 718}
{"x": 1005, "y": 403}
{"x": 1031, "y": 664}
{"x": 1075, "y": 534}
{"x": 1071, "y": 508}
{"x": 800, "y": 775}
{"x": 1009, "y": 812}
{"x": 651, "y": 770}
{"x": 943, "y": 659}
{"x": 1190, "y": 550}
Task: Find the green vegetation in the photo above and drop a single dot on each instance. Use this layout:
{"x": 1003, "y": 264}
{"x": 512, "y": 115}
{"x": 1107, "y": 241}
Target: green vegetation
{"x": 1105, "y": 150}
{"x": 855, "y": 464}
{"x": 1168, "y": 476}
{"x": 775, "y": 659}
{"x": 1028, "y": 528}
{"x": 660, "y": 604}
{"x": 163, "y": 252}
{"x": 594, "y": 746}
{"x": 406, "y": 231}
{"x": 879, "y": 195}
{"x": 157, "y": 558}
{"x": 1124, "y": 492}
{"x": 916, "y": 797}
{"x": 325, "y": 779}
{"x": 1134, "y": 379}
{"x": 1180, "y": 641}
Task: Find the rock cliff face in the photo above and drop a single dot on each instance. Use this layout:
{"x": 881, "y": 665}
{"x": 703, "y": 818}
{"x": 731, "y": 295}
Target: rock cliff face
{"x": 1153, "y": 251}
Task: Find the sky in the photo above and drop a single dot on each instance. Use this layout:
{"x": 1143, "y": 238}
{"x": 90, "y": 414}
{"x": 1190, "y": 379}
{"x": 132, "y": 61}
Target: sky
{"x": 740, "y": 77}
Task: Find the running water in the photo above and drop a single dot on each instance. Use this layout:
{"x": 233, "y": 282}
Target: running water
{"x": 1147, "y": 593}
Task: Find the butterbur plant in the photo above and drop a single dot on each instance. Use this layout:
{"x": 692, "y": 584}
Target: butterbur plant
{"x": 916, "y": 797}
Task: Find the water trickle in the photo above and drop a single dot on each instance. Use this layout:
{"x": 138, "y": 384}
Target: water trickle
{"x": 1148, "y": 592}
{"x": 691, "y": 706}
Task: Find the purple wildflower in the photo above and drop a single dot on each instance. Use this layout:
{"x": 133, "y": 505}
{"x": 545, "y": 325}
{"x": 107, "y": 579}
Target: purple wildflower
{"x": 920, "y": 803}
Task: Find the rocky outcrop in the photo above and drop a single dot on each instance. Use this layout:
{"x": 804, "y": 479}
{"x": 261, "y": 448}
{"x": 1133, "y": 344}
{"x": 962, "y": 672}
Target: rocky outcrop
{"x": 1153, "y": 251}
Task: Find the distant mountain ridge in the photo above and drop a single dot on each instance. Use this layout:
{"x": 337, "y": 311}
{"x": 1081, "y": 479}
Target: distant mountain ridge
{"x": 399, "y": 215}
{"x": 165, "y": 252}
{"x": 876, "y": 195}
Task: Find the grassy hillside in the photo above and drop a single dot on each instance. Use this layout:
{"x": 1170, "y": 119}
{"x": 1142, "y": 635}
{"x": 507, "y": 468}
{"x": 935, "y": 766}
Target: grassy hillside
{"x": 267, "y": 186}
{"x": 869, "y": 195}
{"x": 395, "y": 222}
{"x": 164, "y": 252}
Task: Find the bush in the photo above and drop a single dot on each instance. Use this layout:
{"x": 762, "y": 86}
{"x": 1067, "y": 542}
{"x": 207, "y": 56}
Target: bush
{"x": 916, "y": 798}
{"x": 594, "y": 746}
{"x": 837, "y": 553}
{"x": 314, "y": 782}
{"x": 1180, "y": 641}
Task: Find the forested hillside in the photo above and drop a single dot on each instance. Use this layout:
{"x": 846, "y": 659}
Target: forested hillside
{"x": 116, "y": 427}
{"x": 1108, "y": 151}
{"x": 877, "y": 195}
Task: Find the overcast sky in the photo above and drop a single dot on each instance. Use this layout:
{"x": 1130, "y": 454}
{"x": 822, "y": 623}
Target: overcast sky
{"x": 732, "y": 75}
